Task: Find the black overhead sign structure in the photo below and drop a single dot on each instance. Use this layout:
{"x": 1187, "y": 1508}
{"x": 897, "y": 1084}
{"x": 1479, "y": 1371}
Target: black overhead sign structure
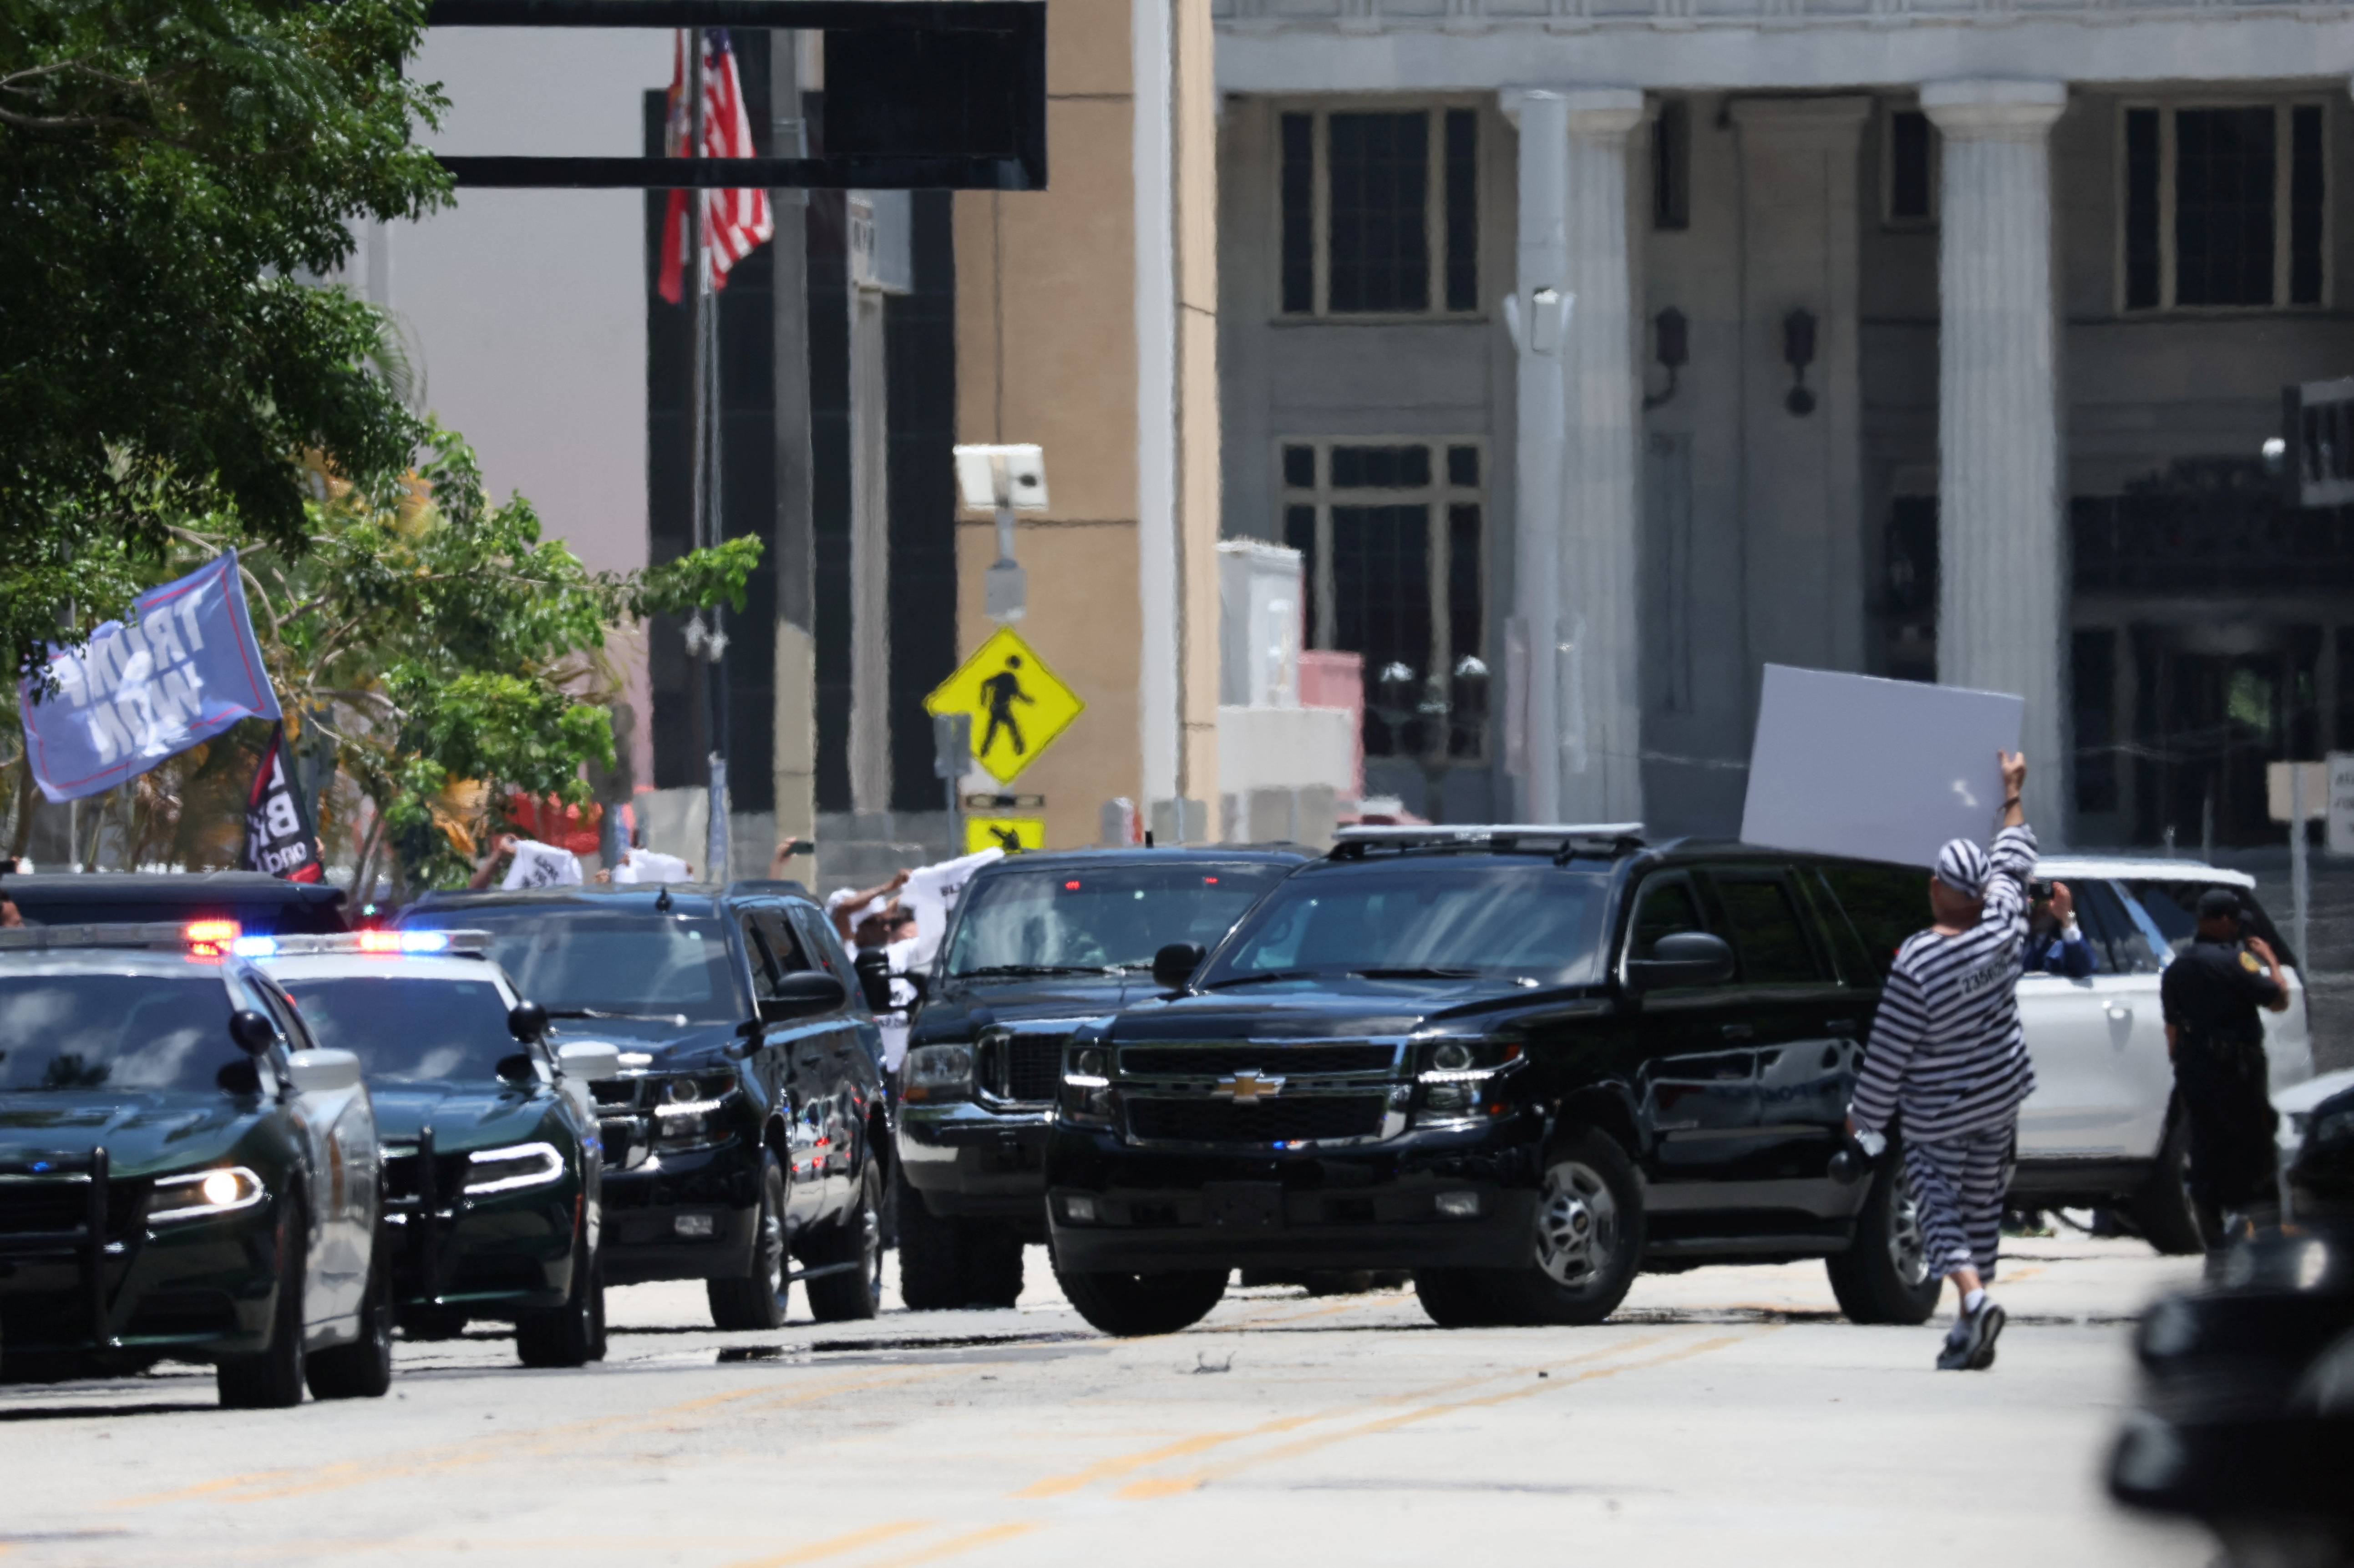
{"x": 919, "y": 94}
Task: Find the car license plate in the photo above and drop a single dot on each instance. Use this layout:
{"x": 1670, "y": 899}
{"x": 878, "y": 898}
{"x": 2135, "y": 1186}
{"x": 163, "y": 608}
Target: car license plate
{"x": 1243, "y": 1205}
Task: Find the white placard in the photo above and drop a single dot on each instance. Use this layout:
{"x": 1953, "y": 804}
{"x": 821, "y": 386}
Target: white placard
{"x": 2341, "y": 802}
{"x": 1889, "y": 770}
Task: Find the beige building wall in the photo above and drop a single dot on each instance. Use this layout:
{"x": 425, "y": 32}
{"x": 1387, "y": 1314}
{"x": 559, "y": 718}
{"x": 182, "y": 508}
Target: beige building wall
{"x": 1047, "y": 352}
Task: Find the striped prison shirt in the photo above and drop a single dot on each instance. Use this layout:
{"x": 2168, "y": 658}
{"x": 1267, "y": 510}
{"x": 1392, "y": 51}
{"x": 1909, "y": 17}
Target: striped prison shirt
{"x": 1946, "y": 1054}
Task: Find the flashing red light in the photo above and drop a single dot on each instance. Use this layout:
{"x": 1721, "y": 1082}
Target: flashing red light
{"x": 379, "y": 941}
{"x": 210, "y": 938}
{"x": 1070, "y": 887}
{"x": 1209, "y": 882}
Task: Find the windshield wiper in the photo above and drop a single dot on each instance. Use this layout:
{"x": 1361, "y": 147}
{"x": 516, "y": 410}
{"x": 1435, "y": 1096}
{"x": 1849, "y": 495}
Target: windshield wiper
{"x": 617, "y": 1017}
{"x": 988, "y": 971}
{"x": 1262, "y": 978}
{"x": 1417, "y": 972}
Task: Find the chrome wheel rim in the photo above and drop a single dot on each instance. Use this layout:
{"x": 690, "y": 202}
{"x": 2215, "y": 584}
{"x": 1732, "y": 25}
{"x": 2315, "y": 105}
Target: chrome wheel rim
{"x": 772, "y": 1247}
{"x": 1577, "y": 1224}
{"x": 1908, "y": 1249}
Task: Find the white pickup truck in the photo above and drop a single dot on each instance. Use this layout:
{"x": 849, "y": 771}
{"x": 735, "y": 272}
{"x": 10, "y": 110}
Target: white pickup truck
{"x": 2102, "y": 1129}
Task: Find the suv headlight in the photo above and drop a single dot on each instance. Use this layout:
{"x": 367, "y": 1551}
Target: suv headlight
{"x": 201, "y": 1194}
{"x": 1087, "y": 1098}
{"x": 517, "y": 1166}
{"x": 691, "y": 1112}
{"x": 1456, "y": 1076}
{"x": 937, "y": 1073}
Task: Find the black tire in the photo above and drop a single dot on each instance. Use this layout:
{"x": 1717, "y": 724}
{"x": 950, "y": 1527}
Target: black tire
{"x": 1587, "y": 1242}
{"x": 1454, "y": 1298}
{"x": 1133, "y": 1305}
{"x": 931, "y": 1277}
{"x": 854, "y": 1295}
{"x": 757, "y": 1301}
{"x": 2164, "y": 1211}
{"x": 362, "y": 1369}
{"x": 272, "y": 1378}
{"x": 988, "y": 1260}
{"x": 1883, "y": 1276}
{"x": 568, "y": 1336}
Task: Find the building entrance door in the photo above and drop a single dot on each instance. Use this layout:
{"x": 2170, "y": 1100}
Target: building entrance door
{"x": 2218, "y": 705}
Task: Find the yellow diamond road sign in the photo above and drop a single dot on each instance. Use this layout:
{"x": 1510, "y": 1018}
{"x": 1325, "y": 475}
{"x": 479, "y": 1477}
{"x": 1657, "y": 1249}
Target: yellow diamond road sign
{"x": 1018, "y": 705}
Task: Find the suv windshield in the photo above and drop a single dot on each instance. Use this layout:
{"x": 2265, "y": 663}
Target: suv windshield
{"x": 1522, "y": 921}
{"x": 1113, "y": 917}
{"x": 407, "y": 1031}
{"x": 618, "y": 963}
{"x": 113, "y": 1032}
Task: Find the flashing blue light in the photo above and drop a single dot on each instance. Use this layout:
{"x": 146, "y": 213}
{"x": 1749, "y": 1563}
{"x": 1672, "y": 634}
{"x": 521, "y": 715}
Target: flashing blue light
{"x": 255, "y": 947}
{"x": 425, "y": 941}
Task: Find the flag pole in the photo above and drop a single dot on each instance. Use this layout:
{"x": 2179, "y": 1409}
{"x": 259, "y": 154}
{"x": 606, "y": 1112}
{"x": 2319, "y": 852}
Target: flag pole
{"x": 716, "y": 851}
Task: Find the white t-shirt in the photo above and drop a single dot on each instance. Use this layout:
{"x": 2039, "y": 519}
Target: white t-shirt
{"x": 536, "y": 864}
{"x": 931, "y": 895}
{"x": 645, "y": 866}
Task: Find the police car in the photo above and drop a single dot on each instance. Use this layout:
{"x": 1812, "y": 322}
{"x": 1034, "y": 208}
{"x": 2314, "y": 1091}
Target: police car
{"x": 493, "y": 1165}
{"x": 184, "y": 1172}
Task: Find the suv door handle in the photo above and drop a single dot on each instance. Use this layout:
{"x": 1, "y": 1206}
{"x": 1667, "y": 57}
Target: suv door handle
{"x": 1739, "y": 1032}
{"x": 2116, "y": 1009}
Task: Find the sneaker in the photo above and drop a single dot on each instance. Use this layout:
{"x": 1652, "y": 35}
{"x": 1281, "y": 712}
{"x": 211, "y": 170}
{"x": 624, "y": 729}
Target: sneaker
{"x": 1970, "y": 1346}
{"x": 1991, "y": 1319}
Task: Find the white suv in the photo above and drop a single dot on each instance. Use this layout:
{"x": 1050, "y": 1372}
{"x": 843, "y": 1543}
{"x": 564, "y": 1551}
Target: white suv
{"x": 2102, "y": 1129}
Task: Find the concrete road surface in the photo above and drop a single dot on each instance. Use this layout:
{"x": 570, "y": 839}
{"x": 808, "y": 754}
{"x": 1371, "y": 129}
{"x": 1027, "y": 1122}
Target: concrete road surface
{"x": 1728, "y": 1416}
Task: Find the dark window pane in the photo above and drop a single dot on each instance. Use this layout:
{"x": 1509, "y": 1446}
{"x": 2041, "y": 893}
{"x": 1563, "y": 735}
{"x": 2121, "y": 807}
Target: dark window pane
{"x": 1668, "y": 909}
{"x": 1671, "y": 166}
{"x": 1463, "y": 467}
{"x": 2304, "y": 199}
{"x": 1466, "y": 631}
{"x": 2118, "y": 941}
{"x": 1767, "y": 934}
{"x": 2094, "y": 670}
{"x": 1380, "y": 605}
{"x": 1378, "y": 166}
{"x": 1381, "y": 467}
{"x": 1300, "y": 532}
{"x": 1462, "y": 209}
{"x": 2141, "y": 210}
{"x": 2223, "y": 207}
{"x": 1299, "y": 467}
{"x": 1912, "y": 191}
{"x": 1852, "y": 960}
{"x": 1299, "y": 215}
{"x": 1885, "y": 903}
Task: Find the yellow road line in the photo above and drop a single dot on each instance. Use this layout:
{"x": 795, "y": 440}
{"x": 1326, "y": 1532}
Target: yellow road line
{"x": 833, "y": 1546}
{"x": 970, "y": 1540}
{"x": 1126, "y": 1464}
{"x": 1168, "y": 1486}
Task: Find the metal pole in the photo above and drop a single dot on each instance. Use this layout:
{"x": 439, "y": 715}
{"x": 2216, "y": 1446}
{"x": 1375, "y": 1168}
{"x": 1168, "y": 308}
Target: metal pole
{"x": 2298, "y": 886}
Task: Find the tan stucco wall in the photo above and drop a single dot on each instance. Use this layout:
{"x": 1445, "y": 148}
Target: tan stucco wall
{"x": 1046, "y": 352}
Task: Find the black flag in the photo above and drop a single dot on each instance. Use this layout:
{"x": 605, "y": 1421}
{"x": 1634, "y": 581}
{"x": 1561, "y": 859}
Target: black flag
{"x": 278, "y": 838}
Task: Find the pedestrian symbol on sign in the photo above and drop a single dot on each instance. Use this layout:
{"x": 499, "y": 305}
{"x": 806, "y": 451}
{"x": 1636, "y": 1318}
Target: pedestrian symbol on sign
{"x": 1017, "y": 705}
{"x": 1003, "y": 690}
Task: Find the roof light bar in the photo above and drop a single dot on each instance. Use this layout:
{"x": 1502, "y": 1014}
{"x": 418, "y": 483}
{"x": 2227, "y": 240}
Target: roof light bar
{"x": 1432, "y": 832}
{"x": 380, "y": 945}
{"x": 222, "y": 939}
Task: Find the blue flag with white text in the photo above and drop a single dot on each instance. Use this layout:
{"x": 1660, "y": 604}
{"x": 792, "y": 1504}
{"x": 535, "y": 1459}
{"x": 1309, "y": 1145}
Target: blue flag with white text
{"x": 182, "y": 671}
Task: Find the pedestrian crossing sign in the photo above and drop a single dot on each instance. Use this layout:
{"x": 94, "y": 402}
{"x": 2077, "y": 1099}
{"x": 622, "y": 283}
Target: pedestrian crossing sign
{"x": 1018, "y": 705}
{"x": 1011, "y": 834}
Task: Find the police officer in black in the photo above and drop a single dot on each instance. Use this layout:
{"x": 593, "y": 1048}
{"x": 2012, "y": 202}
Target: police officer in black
{"x": 2211, "y": 994}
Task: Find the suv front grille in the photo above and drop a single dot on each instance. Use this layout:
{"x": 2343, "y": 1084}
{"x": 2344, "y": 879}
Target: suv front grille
{"x": 1285, "y": 1061}
{"x": 1306, "y": 1118}
{"x": 1026, "y": 1067}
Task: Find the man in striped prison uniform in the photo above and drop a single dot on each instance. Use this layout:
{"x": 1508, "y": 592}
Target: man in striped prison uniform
{"x": 1947, "y": 1063}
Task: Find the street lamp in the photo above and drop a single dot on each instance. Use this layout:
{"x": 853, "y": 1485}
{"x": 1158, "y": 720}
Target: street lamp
{"x": 1443, "y": 708}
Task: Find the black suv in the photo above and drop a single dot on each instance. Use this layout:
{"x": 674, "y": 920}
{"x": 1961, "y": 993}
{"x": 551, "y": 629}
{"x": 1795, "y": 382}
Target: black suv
{"x": 747, "y": 1129}
{"x": 1523, "y": 1062}
{"x": 1040, "y": 944}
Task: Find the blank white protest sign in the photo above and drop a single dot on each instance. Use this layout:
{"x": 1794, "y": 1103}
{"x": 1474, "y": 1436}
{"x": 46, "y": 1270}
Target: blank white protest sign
{"x": 1852, "y": 765}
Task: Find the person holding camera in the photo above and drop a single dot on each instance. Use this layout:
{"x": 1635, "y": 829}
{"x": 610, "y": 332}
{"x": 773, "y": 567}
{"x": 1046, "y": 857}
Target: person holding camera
{"x": 1947, "y": 1059}
{"x": 2209, "y": 995}
{"x": 2055, "y": 942}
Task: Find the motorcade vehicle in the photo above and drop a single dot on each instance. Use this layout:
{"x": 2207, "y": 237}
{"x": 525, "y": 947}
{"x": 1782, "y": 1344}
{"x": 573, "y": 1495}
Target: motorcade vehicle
{"x": 262, "y": 905}
{"x": 185, "y": 1173}
{"x": 1039, "y": 943}
{"x": 493, "y": 1155}
{"x": 745, "y": 1135}
{"x": 1524, "y": 1061}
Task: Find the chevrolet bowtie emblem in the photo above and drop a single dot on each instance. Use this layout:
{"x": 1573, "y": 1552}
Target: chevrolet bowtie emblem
{"x": 1243, "y": 1087}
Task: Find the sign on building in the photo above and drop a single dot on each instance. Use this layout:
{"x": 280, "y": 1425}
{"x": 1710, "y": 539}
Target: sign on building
{"x": 2341, "y": 802}
{"x": 1019, "y": 706}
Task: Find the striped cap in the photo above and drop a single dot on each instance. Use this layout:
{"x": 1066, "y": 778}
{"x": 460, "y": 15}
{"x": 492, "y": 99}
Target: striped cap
{"x": 1962, "y": 866}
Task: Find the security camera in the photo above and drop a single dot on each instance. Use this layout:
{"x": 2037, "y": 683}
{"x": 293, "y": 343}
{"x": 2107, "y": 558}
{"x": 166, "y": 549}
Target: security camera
{"x": 994, "y": 476}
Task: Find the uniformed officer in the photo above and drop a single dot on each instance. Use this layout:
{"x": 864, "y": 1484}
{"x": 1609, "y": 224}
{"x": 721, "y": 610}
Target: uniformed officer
{"x": 2210, "y": 994}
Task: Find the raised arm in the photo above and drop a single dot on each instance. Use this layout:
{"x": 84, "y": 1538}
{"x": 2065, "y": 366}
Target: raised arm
{"x": 2011, "y": 858}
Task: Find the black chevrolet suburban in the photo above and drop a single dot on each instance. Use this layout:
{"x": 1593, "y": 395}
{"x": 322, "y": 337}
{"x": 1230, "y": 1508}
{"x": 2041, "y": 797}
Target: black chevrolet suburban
{"x": 1524, "y": 1063}
{"x": 1040, "y": 944}
{"x": 746, "y": 1132}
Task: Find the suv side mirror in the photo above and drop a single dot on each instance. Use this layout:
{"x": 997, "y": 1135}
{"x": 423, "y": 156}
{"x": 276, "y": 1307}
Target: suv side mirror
{"x": 874, "y": 967}
{"x": 804, "y": 994}
{"x": 526, "y": 1020}
{"x": 252, "y": 1031}
{"x": 1173, "y": 965}
{"x": 1681, "y": 958}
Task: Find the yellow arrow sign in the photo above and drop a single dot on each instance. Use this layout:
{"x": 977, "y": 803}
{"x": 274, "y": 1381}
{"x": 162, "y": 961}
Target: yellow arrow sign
{"x": 1018, "y": 705}
{"x": 1011, "y": 835}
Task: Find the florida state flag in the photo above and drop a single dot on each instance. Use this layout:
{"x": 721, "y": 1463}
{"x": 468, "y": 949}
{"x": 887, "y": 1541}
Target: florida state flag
{"x": 278, "y": 838}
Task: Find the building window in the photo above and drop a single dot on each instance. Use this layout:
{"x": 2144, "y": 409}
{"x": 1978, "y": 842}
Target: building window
{"x": 1909, "y": 179}
{"x": 2225, "y": 206}
{"x": 1379, "y": 212}
{"x": 1393, "y": 551}
{"x": 1671, "y": 166}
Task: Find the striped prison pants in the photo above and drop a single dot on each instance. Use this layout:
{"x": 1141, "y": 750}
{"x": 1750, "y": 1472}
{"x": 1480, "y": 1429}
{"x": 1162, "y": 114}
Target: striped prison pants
{"x": 1958, "y": 1186}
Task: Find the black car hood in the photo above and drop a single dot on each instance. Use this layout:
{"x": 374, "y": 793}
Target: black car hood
{"x": 673, "y": 1047}
{"x": 462, "y": 1114}
{"x": 142, "y": 1133}
{"x": 1332, "y": 1007}
{"x": 962, "y": 1007}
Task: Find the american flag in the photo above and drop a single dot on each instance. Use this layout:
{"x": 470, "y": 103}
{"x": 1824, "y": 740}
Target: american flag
{"x": 733, "y": 221}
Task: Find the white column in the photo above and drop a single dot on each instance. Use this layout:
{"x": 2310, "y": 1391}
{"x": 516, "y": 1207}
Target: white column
{"x": 2002, "y": 607}
{"x": 870, "y": 560}
{"x": 1543, "y": 279}
{"x": 1159, "y": 564}
{"x": 1596, "y": 637}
